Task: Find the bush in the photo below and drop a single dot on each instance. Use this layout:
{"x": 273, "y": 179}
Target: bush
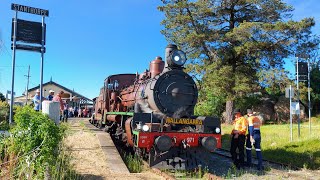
{"x": 35, "y": 138}
{"x": 4, "y": 115}
{"x": 211, "y": 106}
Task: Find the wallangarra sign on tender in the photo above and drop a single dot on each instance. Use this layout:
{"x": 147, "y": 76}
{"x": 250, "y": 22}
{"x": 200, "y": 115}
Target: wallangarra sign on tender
{"x": 31, "y": 10}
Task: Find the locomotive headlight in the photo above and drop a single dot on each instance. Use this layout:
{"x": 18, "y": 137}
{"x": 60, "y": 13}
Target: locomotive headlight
{"x": 217, "y": 130}
{"x": 178, "y": 57}
{"x": 145, "y": 128}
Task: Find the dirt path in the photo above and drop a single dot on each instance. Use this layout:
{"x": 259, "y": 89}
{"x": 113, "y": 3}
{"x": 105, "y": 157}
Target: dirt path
{"x": 89, "y": 160}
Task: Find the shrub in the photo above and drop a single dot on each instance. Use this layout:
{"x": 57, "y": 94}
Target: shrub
{"x": 4, "y": 115}
{"x": 35, "y": 138}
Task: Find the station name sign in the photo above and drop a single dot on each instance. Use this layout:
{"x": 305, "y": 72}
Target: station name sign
{"x": 31, "y": 10}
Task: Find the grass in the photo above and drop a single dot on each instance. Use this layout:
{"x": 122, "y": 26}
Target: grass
{"x": 63, "y": 168}
{"x": 303, "y": 152}
{"x": 198, "y": 173}
{"x": 134, "y": 163}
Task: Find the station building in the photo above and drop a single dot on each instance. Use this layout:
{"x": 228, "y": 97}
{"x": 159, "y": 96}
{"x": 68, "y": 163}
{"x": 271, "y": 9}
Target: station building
{"x": 75, "y": 99}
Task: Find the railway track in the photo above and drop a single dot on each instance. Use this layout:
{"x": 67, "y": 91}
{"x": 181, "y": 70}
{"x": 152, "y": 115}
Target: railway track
{"x": 272, "y": 164}
{"x": 217, "y": 165}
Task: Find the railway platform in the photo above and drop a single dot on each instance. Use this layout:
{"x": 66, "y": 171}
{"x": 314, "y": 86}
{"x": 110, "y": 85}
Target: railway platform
{"x": 114, "y": 160}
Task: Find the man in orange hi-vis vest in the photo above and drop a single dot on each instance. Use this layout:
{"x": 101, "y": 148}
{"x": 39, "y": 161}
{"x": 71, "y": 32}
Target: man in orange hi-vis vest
{"x": 240, "y": 125}
{"x": 254, "y": 138}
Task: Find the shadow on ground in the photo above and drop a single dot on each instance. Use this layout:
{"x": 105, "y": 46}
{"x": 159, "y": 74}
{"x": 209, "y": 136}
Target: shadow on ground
{"x": 91, "y": 177}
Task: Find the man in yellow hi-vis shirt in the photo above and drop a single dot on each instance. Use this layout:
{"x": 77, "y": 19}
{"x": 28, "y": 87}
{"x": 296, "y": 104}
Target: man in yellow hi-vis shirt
{"x": 254, "y": 138}
{"x": 240, "y": 125}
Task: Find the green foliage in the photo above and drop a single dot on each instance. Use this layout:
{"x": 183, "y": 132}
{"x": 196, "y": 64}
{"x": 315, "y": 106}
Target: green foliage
{"x": 247, "y": 102}
{"x": 34, "y": 138}
{"x": 4, "y": 115}
{"x": 63, "y": 168}
{"x": 198, "y": 173}
{"x": 274, "y": 81}
{"x": 210, "y": 105}
{"x": 315, "y": 86}
{"x": 231, "y": 42}
{"x": 2, "y": 98}
{"x": 134, "y": 163}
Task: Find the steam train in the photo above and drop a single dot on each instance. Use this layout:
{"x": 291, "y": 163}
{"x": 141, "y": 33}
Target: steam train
{"x": 152, "y": 112}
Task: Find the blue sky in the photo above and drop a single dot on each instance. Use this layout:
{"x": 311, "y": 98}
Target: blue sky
{"x": 89, "y": 40}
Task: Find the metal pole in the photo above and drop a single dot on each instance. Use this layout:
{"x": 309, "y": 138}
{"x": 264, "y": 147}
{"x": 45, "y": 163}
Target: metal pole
{"x": 298, "y": 97}
{"x": 290, "y": 96}
{"x": 309, "y": 96}
{"x": 41, "y": 70}
{"x": 13, "y": 64}
{"x": 28, "y": 76}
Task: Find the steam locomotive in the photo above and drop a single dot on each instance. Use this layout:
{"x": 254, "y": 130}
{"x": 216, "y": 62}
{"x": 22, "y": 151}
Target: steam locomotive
{"x": 153, "y": 112}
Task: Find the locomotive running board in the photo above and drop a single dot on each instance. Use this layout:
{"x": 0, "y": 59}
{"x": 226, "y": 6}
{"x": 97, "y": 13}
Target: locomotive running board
{"x": 175, "y": 158}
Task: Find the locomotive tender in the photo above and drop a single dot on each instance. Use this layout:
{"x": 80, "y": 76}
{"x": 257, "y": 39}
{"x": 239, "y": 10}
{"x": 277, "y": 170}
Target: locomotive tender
{"x": 153, "y": 113}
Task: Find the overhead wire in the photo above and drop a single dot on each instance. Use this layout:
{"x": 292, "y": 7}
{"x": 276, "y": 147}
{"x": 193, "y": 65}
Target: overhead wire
{"x": 18, "y": 67}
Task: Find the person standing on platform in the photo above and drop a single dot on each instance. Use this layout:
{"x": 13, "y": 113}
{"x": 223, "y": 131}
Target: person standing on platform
{"x": 50, "y": 96}
{"x": 36, "y": 100}
{"x": 65, "y": 111}
{"x": 58, "y": 98}
{"x": 238, "y": 138}
{"x": 254, "y": 138}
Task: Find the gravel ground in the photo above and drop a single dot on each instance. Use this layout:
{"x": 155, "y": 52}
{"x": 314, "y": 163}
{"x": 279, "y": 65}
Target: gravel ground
{"x": 89, "y": 160}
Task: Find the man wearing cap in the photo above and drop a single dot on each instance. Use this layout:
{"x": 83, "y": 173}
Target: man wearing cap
{"x": 36, "y": 100}
{"x": 50, "y": 96}
{"x": 238, "y": 138}
{"x": 254, "y": 138}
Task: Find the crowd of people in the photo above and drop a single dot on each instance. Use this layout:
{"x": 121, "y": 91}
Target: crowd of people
{"x": 65, "y": 110}
{"x": 246, "y": 133}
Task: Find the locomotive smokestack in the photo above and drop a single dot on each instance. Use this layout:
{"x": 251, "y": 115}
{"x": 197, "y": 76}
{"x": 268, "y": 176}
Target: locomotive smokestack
{"x": 156, "y": 66}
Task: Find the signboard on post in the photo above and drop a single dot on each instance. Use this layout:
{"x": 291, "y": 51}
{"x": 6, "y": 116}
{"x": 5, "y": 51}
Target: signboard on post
{"x": 295, "y": 108}
{"x": 28, "y": 31}
{"x": 31, "y": 10}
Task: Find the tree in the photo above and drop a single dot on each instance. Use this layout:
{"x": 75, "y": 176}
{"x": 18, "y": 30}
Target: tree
{"x": 274, "y": 80}
{"x": 2, "y": 98}
{"x": 230, "y": 41}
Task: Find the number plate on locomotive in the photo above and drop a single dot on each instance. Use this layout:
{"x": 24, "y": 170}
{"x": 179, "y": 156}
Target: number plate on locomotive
{"x": 183, "y": 121}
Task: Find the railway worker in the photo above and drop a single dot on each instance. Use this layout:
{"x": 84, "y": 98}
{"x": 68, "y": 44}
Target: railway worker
{"x": 253, "y": 138}
{"x": 238, "y": 138}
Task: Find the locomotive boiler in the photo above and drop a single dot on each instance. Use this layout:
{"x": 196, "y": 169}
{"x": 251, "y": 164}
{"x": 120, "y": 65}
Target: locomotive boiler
{"x": 153, "y": 112}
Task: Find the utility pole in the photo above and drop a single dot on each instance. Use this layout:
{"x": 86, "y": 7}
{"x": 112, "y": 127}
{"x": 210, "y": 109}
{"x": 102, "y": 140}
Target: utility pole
{"x": 28, "y": 76}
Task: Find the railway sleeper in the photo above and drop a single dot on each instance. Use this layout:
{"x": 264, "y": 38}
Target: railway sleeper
{"x": 175, "y": 159}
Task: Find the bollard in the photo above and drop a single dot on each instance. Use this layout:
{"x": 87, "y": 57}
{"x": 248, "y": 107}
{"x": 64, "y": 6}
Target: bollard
{"x": 52, "y": 109}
